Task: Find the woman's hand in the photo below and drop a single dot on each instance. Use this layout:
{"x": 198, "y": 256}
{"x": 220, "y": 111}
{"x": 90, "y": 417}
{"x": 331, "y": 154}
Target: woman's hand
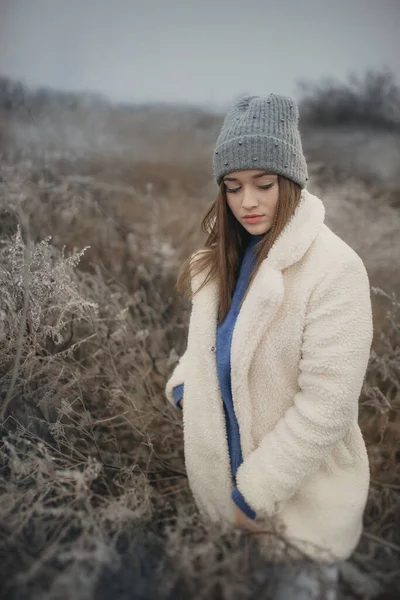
{"x": 243, "y": 521}
{"x": 180, "y": 402}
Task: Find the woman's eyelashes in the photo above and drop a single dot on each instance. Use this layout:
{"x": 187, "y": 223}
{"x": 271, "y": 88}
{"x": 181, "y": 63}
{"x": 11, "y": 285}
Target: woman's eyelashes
{"x": 261, "y": 187}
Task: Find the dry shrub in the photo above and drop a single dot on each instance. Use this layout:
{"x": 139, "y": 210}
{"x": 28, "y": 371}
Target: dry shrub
{"x": 380, "y": 423}
{"x": 77, "y": 463}
{"x": 372, "y": 100}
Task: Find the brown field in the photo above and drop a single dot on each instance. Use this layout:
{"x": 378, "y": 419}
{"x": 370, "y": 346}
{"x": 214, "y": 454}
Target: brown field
{"x": 94, "y": 497}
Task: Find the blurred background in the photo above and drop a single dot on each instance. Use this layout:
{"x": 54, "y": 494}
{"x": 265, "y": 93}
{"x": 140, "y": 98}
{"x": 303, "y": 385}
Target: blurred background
{"x": 194, "y": 53}
{"x": 109, "y": 112}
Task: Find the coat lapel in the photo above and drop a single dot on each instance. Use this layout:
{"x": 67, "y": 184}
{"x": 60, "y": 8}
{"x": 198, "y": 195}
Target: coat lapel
{"x": 261, "y": 304}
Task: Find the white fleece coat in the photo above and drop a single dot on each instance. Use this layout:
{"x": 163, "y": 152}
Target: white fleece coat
{"x": 299, "y": 354}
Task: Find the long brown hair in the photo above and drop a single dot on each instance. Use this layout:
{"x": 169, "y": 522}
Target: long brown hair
{"x": 227, "y": 239}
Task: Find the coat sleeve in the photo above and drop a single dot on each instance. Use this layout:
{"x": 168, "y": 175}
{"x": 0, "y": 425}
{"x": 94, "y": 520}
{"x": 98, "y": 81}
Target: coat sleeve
{"x": 176, "y": 379}
{"x": 336, "y": 344}
{"x": 174, "y": 385}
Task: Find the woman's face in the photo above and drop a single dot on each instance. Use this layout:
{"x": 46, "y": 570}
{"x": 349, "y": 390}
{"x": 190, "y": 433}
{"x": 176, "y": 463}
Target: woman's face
{"x": 252, "y": 192}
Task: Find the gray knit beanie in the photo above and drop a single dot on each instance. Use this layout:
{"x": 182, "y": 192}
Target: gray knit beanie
{"x": 261, "y": 133}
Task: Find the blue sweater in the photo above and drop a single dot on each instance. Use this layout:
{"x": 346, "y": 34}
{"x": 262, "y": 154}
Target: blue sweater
{"x": 223, "y": 357}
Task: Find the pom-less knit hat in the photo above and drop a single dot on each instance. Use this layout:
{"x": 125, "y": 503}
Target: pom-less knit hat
{"x": 261, "y": 133}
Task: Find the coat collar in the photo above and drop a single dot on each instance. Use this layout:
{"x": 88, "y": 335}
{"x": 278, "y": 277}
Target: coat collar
{"x": 261, "y": 303}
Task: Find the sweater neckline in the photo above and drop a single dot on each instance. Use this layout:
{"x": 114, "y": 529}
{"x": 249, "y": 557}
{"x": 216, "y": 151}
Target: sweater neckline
{"x": 254, "y": 239}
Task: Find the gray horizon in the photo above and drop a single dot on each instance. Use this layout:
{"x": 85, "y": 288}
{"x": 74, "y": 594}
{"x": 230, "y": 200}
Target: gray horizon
{"x": 204, "y": 54}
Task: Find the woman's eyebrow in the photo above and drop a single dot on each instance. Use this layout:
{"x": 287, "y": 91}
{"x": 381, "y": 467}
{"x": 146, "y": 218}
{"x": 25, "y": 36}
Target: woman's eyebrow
{"x": 253, "y": 176}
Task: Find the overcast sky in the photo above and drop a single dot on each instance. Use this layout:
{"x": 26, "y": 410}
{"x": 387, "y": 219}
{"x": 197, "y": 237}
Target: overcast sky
{"x": 202, "y": 51}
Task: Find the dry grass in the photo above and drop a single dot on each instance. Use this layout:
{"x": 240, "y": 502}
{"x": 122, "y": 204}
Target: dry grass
{"x": 95, "y": 501}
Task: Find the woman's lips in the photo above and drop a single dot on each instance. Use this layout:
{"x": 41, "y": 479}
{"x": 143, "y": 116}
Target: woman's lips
{"x": 253, "y": 219}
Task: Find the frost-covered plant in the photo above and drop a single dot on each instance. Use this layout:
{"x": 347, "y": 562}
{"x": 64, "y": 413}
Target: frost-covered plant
{"x": 39, "y": 301}
{"x": 51, "y": 287}
{"x": 382, "y": 384}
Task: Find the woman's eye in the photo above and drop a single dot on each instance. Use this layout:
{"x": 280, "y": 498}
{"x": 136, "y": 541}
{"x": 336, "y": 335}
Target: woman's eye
{"x": 261, "y": 187}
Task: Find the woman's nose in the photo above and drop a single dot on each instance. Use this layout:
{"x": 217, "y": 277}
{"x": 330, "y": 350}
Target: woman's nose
{"x": 249, "y": 199}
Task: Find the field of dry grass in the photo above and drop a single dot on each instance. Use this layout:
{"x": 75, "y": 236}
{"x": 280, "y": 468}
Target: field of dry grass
{"x": 94, "y": 497}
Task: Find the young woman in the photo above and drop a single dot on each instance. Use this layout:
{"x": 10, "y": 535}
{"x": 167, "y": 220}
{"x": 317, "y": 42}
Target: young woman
{"x": 278, "y": 345}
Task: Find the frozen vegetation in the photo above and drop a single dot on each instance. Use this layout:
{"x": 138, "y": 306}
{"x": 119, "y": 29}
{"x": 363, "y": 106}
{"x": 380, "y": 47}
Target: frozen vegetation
{"x": 99, "y": 204}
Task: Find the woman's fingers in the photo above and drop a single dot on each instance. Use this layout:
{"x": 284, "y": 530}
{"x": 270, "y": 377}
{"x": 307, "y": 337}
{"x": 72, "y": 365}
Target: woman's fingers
{"x": 244, "y": 521}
